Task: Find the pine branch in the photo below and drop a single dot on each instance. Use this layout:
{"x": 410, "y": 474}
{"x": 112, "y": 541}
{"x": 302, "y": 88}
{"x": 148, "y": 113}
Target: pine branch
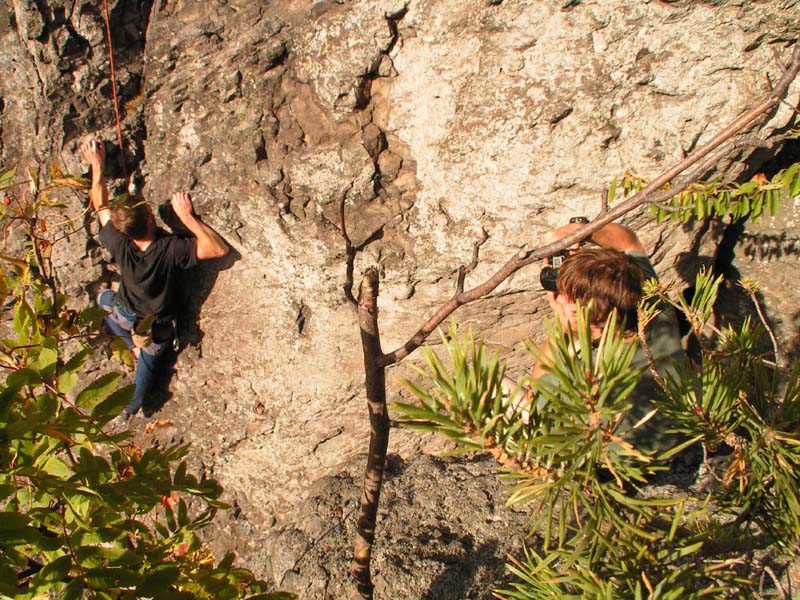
{"x": 375, "y": 361}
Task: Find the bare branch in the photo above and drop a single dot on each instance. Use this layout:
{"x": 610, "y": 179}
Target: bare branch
{"x": 476, "y": 250}
{"x": 667, "y": 208}
{"x": 709, "y": 162}
{"x": 604, "y": 201}
{"x": 776, "y": 581}
{"x": 375, "y": 361}
{"x": 778, "y": 60}
{"x": 753, "y": 141}
{"x": 652, "y": 192}
{"x": 349, "y": 251}
{"x": 643, "y": 321}
{"x": 379, "y": 431}
{"x": 463, "y": 271}
{"x": 793, "y": 108}
{"x": 752, "y": 292}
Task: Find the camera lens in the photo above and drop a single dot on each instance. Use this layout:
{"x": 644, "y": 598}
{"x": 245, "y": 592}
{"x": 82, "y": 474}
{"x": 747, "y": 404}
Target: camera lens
{"x": 548, "y": 277}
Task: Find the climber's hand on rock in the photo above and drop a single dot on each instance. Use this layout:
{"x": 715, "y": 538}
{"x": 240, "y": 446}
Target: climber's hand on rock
{"x": 94, "y": 151}
{"x": 182, "y": 205}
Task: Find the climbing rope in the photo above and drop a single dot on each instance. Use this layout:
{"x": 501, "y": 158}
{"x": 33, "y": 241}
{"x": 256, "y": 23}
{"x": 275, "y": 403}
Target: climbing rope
{"x": 120, "y": 142}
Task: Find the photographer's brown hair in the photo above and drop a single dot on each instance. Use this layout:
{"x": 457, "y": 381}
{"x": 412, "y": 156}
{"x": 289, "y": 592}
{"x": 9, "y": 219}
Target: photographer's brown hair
{"x": 609, "y": 279}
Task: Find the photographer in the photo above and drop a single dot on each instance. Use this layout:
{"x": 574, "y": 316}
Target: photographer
{"x": 610, "y": 276}
{"x": 141, "y": 311}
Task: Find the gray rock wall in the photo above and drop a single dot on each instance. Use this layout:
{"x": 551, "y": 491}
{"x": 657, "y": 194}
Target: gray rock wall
{"x": 433, "y": 119}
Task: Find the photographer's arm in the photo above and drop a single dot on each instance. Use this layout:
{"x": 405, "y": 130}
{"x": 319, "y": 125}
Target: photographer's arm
{"x": 612, "y": 236}
{"x": 209, "y": 243}
{"x": 617, "y": 237}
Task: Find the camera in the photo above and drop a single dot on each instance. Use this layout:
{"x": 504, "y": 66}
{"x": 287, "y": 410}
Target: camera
{"x": 549, "y": 273}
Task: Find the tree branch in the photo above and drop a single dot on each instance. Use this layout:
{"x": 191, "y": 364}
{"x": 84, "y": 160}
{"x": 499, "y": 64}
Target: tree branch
{"x": 604, "y": 201}
{"x": 792, "y": 108}
{"x": 652, "y": 192}
{"x": 463, "y": 271}
{"x": 476, "y": 247}
{"x": 350, "y": 252}
{"x": 379, "y": 431}
{"x": 375, "y": 361}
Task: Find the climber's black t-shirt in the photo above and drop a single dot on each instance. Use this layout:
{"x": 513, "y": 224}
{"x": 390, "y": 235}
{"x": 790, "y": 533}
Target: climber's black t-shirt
{"x": 149, "y": 276}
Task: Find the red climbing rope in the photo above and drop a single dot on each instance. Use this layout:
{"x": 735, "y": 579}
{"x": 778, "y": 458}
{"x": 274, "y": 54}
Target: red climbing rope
{"x": 120, "y": 143}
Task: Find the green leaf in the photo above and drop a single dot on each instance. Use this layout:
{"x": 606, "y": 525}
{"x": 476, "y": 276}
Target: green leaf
{"x": 67, "y": 381}
{"x": 98, "y": 390}
{"x": 68, "y": 377}
{"x": 794, "y": 184}
{"x": 56, "y": 467}
{"x": 77, "y": 360}
{"x": 12, "y": 521}
{"x": 773, "y": 204}
{"x": 17, "y": 535}
{"x": 23, "y": 319}
{"x": 52, "y": 572}
{"x": 22, "y": 377}
{"x": 111, "y": 578}
{"x": 161, "y": 578}
{"x": 73, "y": 590}
{"x": 115, "y": 402}
{"x": 6, "y": 178}
{"x": 183, "y": 519}
{"x": 169, "y": 515}
{"x": 46, "y": 362}
{"x": 612, "y": 190}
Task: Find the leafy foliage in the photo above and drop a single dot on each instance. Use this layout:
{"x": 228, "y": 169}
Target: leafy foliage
{"x": 603, "y": 535}
{"x": 703, "y": 200}
{"x": 85, "y": 512}
{"x": 597, "y": 528}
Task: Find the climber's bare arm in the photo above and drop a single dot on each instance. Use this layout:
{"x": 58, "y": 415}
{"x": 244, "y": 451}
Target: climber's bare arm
{"x": 95, "y": 154}
{"x": 209, "y": 243}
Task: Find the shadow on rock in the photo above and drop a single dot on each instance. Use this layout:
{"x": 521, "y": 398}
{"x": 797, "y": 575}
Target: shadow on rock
{"x": 734, "y": 305}
{"x": 460, "y": 574}
{"x": 194, "y": 287}
{"x": 793, "y": 353}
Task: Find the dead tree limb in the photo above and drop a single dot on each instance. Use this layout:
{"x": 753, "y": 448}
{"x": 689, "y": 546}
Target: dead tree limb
{"x": 350, "y": 252}
{"x": 603, "y": 201}
{"x": 463, "y": 271}
{"x": 375, "y": 361}
{"x": 379, "y": 430}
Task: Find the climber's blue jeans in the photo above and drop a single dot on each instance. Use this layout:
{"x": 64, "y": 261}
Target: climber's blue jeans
{"x": 121, "y": 322}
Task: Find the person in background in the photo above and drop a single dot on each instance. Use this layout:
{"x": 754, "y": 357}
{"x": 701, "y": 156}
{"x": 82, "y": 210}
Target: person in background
{"x": 610, "y": 276}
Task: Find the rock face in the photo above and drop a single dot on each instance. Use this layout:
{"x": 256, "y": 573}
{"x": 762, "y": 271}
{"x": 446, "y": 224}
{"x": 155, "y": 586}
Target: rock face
{"x": 433, "y": 121}
{"x": 443, "y": 530}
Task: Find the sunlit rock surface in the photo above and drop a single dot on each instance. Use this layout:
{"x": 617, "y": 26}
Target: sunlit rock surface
{"x": 433, "y": 120}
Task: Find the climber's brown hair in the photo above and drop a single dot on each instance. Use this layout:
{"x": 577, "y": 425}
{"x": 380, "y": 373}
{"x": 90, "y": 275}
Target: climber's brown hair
{"x": 131, "y": 217}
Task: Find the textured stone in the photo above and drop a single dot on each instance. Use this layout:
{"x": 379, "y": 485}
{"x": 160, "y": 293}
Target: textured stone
{"x": 434, "y": 120}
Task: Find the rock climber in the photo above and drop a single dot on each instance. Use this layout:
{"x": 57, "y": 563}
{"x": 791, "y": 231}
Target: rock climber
{"x": 142, "y": 310}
